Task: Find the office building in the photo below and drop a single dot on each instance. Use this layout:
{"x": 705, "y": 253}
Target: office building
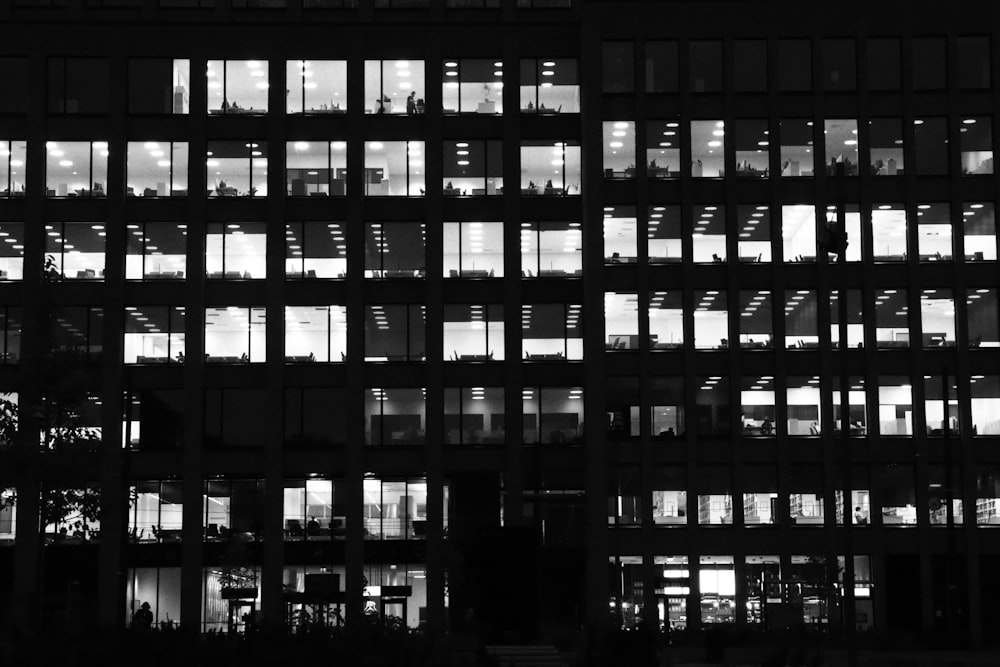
{"x": 530, "y": 312}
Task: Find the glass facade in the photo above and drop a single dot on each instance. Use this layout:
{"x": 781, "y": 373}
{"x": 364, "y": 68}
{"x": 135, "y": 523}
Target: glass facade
{"x": 412, "y": 329}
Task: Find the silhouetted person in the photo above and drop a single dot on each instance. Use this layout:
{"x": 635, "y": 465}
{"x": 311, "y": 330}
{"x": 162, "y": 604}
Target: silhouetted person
{"x": 411, "y": 103}
{"x": 142, "y": 619}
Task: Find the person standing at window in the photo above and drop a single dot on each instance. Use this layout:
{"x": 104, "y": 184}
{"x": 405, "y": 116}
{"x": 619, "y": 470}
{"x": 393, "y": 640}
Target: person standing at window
{"x": 411, "y": 103}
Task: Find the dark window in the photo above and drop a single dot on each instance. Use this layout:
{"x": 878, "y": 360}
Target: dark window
{"x": 315, "y": 417}
{"x": 839, "y": 64}
{"x": 540, "y": 4}
{"x": 235, "y": 417}
{"x": 706, "y": 66}
{"x": 750, "y": 66}
{"x": 77, "y": 329}
{"x": 973, "y": 62}
{"x": 619, "y": 67}
{"x": 14, "y": 74}
{"x": 931, "y": 145}
{"x": 158, "y": 86}
{"x": 10, "y": 335}
{"x": 661, "y": 67}
{"x": 331, "y": 4}
{"x": 883, "y": 64}
{"x": 78, "y": 85}
{"x": 929, "y": 63}
{"x": 155, "y": 419}
{"x": 794, "y": 65}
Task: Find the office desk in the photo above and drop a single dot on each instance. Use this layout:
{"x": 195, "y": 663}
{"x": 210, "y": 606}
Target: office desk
{"x": 670, "y": 520}
{"x": 486, "y": 107}
{"x": 936, "y": 340}
{"x": 164, "y": 275}
{"x": 808, "y": 521}
{"x": 558, "y": 356}
{"x": 475, "y": 357}
{"x": 170, "y": 535}
{"x": 854, "y": 432}
{"x": 152, "y": 360}
{"x": 395, "y": 357}
{"x": 236, "y": 112}
{"x": 475, "y": 273}
{"x": 225, "y": 360}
